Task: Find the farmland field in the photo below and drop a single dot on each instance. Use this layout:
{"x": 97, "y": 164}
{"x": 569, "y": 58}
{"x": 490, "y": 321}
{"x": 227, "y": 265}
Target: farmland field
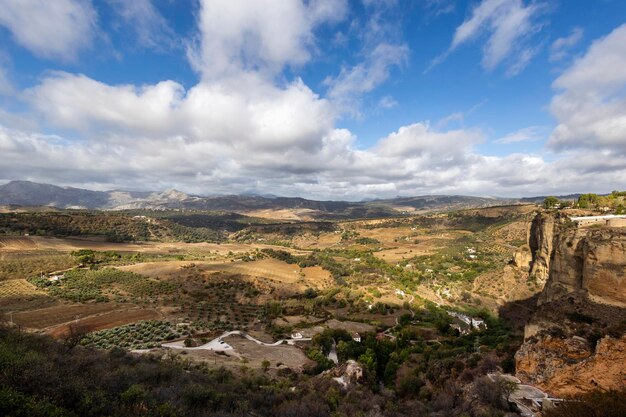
{"x": 18, "y": 288}
{"x": 59, "y": 314}
{"x": 267, "y": 280}
{"x": 279, "y": 272}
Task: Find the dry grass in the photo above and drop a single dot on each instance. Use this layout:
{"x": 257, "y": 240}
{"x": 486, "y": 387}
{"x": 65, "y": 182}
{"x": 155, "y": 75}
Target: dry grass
{"x": 272, "y": 270}
{"x": 17, "y": 243}
{"x": 31, "y": 243}
{"x": 52, "y": 316}
{"x": 279, "y": 272}
{"x": 165, "y": 269}
{"x": 18, "y": 288}
{"x": 321, "y": 241}
{"x": 103, "y": 321}
{"x": 284, "y": 214}
{"x": 255, "y": 354}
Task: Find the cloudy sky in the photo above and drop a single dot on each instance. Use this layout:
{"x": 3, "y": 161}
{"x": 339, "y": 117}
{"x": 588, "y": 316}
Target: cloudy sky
{"x": 339, "y": 99}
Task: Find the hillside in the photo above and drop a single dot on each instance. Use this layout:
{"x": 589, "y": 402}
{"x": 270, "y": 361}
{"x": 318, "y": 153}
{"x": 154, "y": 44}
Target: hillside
{"x": 26, "y": 193}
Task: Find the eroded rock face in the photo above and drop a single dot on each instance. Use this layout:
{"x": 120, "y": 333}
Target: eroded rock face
{"x": 604, "y": 266}
{"x": 590, "y": 262}
{"x": 540, "y": 241}
{"x": 565, "y": 367}
{"x": 522, "y": 258}
{"x": 576, "y": 341}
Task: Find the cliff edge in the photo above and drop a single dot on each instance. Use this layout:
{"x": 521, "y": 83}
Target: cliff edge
{"x": 575, "y": 341}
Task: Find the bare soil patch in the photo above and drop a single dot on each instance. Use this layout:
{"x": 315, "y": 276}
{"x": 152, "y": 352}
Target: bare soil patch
{"x": 255, "y": 354}
{"x": 104, "y": 321}
{"x": 279, "y": 272}
{"x": 51, "y": 316}
{"x": 17, "y": 243}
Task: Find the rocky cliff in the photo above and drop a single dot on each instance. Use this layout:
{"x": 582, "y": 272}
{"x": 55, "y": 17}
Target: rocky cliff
{"x": 569, "y": 366}
{"x": 590, "y": 262}
{"x": 576, "y": 339}
{"x": 540, "y": 240}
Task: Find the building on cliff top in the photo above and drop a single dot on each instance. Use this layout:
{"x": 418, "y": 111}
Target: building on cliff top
{"x": 611, "y": 220}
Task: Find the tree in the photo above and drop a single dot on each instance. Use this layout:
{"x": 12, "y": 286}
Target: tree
{"x": 550, "y": 202}
{"x": 265, "y": 365}
{"x": 588, "y": 200}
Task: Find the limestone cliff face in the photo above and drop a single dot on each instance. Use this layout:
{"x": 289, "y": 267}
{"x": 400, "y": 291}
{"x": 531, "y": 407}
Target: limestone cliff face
{"x": 540, "y": 240}
{"x": 604, "y": 266}
{"x": 576, "y": 339}
{"x": 590, "y": 262}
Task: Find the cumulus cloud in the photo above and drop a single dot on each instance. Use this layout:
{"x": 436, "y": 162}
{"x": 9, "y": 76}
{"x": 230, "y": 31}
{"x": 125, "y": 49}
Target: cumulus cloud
{"x": 590, "y": 106}
{"x": 561, "y": 46}
{"x": 244, "y": 128}
{"x": 249, "y": 113}
{"x": 420, "y": 140}
{"x": 507, "y": 26}
{"x": 51, "y": 29}
{"x": 263, "y": 35}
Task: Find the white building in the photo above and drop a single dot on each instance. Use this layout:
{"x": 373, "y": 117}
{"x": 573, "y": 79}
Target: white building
{"x": 608, "y": 219}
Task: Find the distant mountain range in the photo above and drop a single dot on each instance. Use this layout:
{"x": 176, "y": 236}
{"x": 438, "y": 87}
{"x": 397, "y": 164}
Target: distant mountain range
{"x": 31, "y": 194}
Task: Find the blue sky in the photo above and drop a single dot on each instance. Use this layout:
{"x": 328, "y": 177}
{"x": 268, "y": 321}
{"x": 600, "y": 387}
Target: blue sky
{"x": 343, "y": 99}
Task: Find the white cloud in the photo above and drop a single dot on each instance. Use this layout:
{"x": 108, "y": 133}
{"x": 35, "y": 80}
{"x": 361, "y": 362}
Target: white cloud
{"x": 527, "y": 134}
{"x": 6, "y": 86}
{"x": 420, "y": 140}
{"x": 591, "y": 104}
{"x": 365, "y": 76}
{"x": 507, "y": 25}
{"x": 141, "y": 17}
{"x": 56, "y": 29}
{"x": 249, "y": 113}
{"x": 416, "y": 159}
{"x": 243, "y": 128}
{"x": 561, "y": 46}
{"x": 439, "y": 7}
{"x": 381, "y": 50}
{"x": 387, "y": 102}
{"x": 263, "y": 35}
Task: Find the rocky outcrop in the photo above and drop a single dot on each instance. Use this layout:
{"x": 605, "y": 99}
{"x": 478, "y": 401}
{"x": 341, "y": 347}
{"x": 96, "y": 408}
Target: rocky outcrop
{"x": 588, "y": 262}
{"x": 576, "y": 339}
{"x": 522, "y": 258}
{"x": 349, "y": 373}
{"x": 570, "y": 366}
{"x": 540, "y": 240}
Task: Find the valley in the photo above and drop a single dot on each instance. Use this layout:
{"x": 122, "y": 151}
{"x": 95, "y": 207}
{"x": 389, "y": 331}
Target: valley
{"x": 413, "y": 302}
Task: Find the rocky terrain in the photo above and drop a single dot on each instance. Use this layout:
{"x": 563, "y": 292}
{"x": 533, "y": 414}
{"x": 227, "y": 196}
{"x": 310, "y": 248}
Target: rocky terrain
{"x": 575, "y": 341}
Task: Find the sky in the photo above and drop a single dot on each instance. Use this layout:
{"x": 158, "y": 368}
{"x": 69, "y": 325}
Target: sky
{"x": 323, "y": 99}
